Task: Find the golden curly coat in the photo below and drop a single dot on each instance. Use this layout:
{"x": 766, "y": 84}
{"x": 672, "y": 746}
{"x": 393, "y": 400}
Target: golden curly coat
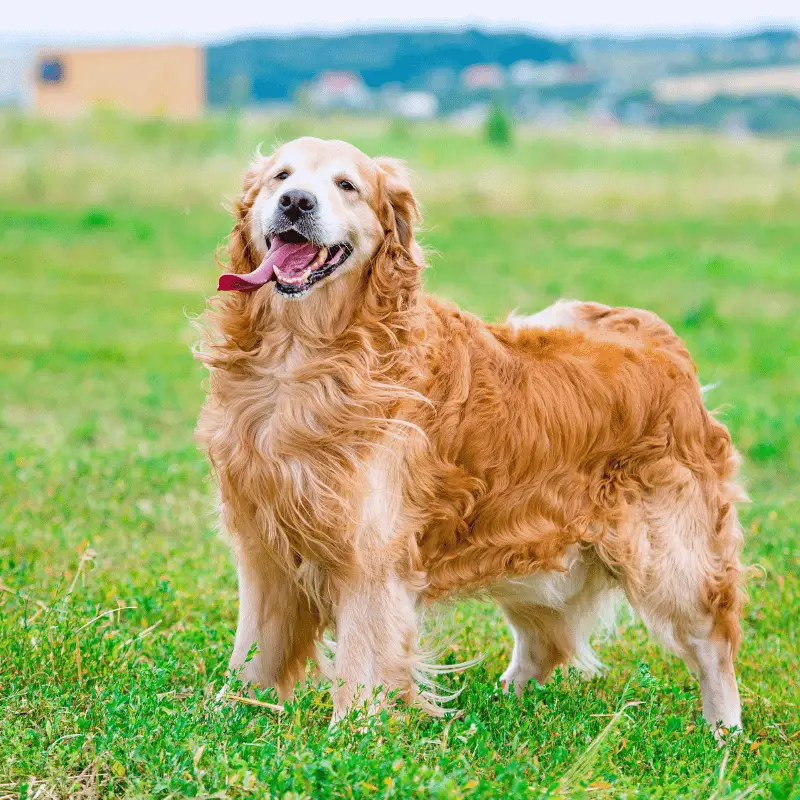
{"x": 376, "y": 448}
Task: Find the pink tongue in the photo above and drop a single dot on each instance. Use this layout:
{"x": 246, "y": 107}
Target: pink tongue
{"x": 231, "y": 282}
{"x": 290, "y": 260}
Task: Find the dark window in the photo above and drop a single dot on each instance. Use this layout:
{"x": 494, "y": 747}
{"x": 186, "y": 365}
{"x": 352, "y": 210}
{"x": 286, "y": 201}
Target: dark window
{"x": 51, "y": 71}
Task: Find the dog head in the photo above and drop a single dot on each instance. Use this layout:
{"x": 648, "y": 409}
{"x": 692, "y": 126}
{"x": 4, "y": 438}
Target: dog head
{"x": 315, "y": 211}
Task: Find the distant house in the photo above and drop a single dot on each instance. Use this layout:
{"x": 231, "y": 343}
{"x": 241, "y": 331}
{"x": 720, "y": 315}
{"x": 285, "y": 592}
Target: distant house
{"x": 416, "y": 105}
{"x": 16, "y": 72}
{"x": 702, "y": 87}
{"x": 483, "y": 76}
{"x": 547, "y": 73}
{"x": 142, "y": 81}
{"x": 472, "y": 116}
{"x": 734, "y": 125}
{"x": 339, "y": 90}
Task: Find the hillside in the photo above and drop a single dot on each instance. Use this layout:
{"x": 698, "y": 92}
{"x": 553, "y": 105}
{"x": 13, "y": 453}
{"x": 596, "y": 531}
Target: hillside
{"x": 264, "y": 69}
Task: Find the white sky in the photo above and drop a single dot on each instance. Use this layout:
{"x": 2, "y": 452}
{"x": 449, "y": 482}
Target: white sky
{"x": 117, "y": 20}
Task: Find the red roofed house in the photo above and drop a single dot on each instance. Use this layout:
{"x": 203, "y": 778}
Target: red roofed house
{"x": 483, "y": 76}
{"x": 339, "y": 90}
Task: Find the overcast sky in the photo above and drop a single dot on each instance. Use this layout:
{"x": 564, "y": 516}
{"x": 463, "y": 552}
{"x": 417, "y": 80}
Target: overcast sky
{"x": 206, "y": 20}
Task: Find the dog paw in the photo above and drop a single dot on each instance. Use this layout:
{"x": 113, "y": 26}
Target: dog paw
{"x": 515, "y": 680}
{"x": 726, "y": 735}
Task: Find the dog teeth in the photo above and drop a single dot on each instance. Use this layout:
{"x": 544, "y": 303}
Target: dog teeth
{"x": 293, "y": 280}
{"x": 320, "y": 259}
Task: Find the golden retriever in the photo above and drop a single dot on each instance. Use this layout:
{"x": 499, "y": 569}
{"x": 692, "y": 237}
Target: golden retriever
{"x": 377, "y": 448}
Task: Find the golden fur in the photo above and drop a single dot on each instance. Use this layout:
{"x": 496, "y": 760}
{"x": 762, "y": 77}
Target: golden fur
{"x": 376, "y": 447}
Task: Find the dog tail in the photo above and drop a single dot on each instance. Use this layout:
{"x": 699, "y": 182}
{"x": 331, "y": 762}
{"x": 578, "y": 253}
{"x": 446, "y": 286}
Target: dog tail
{"x": 433, "y": 697}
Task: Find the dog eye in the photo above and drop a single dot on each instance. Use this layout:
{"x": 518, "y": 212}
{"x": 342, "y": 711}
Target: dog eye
{"x": 282, "y": 175}
{"x": 345, "y": 185}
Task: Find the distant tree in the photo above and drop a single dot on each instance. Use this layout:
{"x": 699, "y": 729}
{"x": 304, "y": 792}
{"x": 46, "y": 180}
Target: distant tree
{"x": 498, "y": 126}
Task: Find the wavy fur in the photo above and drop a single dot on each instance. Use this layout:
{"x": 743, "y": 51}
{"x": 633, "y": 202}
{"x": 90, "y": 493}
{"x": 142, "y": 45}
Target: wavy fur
{"x": 376, "y": 447}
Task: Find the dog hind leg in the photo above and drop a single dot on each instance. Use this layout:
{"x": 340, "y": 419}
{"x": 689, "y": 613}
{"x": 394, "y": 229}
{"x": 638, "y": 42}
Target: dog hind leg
{"x": 546, "y": 637}
{"x": 686, "y": 587}
{"x": 541, "y": 643}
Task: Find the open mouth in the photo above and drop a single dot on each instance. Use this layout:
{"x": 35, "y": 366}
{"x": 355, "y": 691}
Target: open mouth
{"x": 293, "y": 262}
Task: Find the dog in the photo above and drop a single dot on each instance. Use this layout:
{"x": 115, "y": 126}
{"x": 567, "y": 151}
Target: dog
{"x": 377, "y": 448}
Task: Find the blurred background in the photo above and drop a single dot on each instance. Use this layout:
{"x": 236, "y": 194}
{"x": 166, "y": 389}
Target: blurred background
{"x": 640, "y": 154}
{"x": 713, "y": 66}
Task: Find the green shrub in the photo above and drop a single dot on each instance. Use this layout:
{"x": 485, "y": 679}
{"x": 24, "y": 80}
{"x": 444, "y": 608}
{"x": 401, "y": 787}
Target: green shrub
{"x": 498, "y": 126}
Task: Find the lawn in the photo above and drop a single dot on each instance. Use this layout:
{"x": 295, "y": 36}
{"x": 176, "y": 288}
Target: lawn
{"x": 118, "y": 599}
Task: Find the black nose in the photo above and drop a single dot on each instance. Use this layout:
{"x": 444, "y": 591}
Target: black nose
{"x": 297, "y": 202}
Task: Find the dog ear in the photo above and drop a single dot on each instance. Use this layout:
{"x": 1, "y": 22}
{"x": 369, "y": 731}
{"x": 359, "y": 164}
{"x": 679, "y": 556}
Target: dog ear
{"x": 241, "y": 253}
{"x": 398, "y": 205}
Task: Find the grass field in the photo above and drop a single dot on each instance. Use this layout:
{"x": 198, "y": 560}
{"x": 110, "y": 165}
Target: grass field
{"x": 118, "y": 600}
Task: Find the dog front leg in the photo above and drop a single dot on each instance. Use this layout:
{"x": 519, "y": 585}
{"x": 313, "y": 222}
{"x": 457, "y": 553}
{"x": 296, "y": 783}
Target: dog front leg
{"x": 275, "y": 617}
{"x": 376, "y": 641}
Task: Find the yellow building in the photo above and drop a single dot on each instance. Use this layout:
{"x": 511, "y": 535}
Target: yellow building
{"x": 702, "y": 87}
{"x": 143, "y": 81}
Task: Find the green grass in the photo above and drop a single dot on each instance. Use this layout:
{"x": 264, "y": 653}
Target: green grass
{"x": 118, "y": 600}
